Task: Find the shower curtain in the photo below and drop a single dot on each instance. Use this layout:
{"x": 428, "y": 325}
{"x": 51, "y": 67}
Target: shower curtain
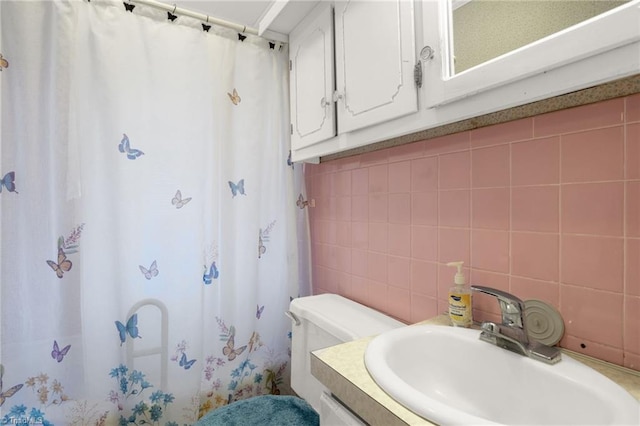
{"x": 148, "y": 215}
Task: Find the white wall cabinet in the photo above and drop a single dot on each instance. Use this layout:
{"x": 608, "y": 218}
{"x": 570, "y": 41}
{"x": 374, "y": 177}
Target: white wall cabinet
{"x": 372, "y": 80}
{"x": 375, "y": 46}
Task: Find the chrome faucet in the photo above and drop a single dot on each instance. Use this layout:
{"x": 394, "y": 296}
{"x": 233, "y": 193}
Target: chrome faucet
{"x": 511, "y": 334}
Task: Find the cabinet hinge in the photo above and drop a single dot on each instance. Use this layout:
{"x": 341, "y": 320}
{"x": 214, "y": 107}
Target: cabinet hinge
{"x": 417, "y": 74}
{"x": 290, "y": 65}
{"x": 291, "y": 128}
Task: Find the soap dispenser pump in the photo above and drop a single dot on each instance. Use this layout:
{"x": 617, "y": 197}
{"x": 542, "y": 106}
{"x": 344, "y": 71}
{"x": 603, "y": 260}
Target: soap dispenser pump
{"x": 459, "y": 299}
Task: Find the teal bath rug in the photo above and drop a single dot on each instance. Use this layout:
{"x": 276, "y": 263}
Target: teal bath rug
{"x": 267, "y": 410}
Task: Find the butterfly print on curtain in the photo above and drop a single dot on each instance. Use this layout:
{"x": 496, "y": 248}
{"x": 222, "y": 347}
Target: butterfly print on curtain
{"x": 63, "y": 265}
{"x": 58, "y": 354}
{"x": 65, "y": 247}
{"x": 3, "y": 62}
{"x": 211, "y": 274}
{"x": 237, "y": 188}
{"x": 4, "y": 394}
{"x": 229, "y": 349}
{"x": 131, "y": 329}
{"x": 151, "y": 272}
{"x": 8, "y": 181}
{"x": 125, "y": 148}
{"x": 263, "y": 237}
{"x": 181, "y": 356}
{"x": 178, "y": 201}
{"x": 235, "y": 98}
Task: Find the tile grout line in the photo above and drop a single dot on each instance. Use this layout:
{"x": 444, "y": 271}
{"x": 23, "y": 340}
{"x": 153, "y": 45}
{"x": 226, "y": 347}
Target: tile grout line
{"x": 511, "y": 211}
{"x": 560, "y": 227}
{"x": 624, "y": 227}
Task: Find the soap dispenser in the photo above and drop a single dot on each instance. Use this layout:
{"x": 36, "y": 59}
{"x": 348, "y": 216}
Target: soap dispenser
{"x": 459, "y": 299}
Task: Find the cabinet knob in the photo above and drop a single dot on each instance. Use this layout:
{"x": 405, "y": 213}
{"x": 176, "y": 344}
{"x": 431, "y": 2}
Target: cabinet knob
{"x": 323, "y": 102}
{"x": 427, "y": 53}
{"x": 337, "y": 96}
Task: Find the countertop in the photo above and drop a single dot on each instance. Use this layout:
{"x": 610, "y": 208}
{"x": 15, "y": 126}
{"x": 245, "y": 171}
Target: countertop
{"x": 341, "y": 368}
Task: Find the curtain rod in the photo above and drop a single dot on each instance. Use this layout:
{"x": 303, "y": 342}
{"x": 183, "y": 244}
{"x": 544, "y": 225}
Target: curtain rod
{"x": 211, "y": 19}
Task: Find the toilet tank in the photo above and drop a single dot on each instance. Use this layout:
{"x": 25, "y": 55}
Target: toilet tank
{"x": 327, "y": 320}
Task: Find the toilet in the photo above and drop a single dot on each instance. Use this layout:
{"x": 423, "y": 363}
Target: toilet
{"x": 321, "y": 321}
{"x": 318, "y": 322}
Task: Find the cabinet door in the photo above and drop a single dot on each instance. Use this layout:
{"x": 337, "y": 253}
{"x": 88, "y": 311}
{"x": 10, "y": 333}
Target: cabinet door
{"x": 312, "y": 78}
{"x": 615, "y": 30}
{"x": 375, "y": 55}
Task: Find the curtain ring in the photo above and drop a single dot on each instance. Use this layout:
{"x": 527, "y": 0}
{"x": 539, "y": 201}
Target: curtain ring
{"x": 174, "y": 9}
{"x": 244, "y": 29}
{"x": 207, "y": 19}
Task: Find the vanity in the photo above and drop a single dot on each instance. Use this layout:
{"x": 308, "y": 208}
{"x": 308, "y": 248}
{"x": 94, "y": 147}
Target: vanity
{"x": 342, "y": 369}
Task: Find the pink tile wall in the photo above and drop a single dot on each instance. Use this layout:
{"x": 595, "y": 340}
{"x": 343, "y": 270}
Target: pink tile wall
{"x": 546, "y": 208}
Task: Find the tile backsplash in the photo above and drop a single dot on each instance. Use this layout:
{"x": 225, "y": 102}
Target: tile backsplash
{"x": 546, "y": 208}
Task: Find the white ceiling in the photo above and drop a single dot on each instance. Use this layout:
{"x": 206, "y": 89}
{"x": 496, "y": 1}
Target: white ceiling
{"x": 252, "y": 12}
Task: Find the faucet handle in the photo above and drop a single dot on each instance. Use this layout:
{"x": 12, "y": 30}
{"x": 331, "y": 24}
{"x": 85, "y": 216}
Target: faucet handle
{"x": 512, "y": 307}
{"x": 501, "y": 295}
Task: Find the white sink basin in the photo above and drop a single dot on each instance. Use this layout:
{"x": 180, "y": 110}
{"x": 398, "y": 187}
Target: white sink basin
{"x": 448, "y": 376}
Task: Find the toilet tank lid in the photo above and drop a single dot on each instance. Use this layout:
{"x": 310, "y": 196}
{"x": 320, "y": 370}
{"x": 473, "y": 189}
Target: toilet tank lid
{"x": 343, "y": 318}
